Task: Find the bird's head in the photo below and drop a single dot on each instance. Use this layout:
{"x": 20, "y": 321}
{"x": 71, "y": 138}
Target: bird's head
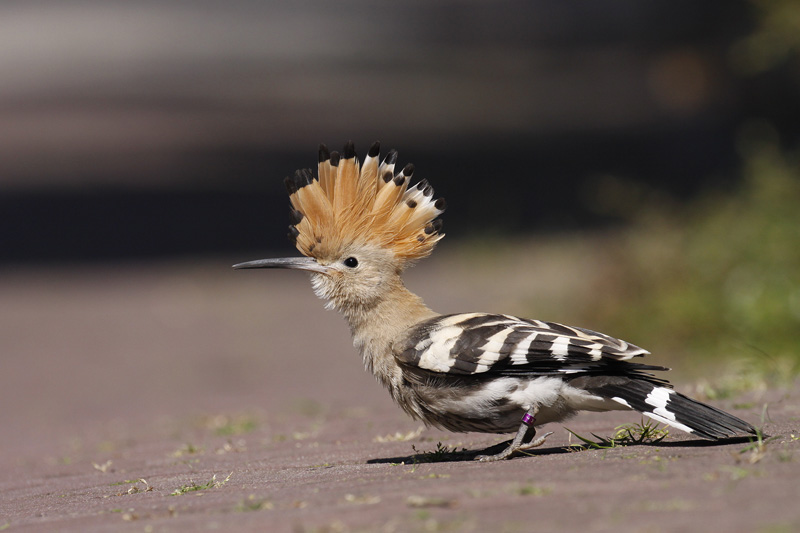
{"x": 359, "y": 227}
{"x": 356, "y": 277}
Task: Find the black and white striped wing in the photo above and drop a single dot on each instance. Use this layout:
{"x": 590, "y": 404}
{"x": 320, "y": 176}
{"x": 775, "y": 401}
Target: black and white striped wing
{"x": 478, "y": 343}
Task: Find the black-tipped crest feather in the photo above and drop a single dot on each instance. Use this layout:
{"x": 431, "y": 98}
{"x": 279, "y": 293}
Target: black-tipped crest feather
{"x": 324, "y": 153}
{"x": 375, "y": 149}
{"x": 349, "y": 151}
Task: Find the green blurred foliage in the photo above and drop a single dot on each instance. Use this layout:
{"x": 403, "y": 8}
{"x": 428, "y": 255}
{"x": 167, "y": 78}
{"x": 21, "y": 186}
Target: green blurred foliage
{"x": 774, "y": 40}
{"x": 719, "y": 276}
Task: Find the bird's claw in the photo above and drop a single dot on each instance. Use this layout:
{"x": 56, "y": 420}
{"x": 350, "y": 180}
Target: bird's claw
{"x": 513, "y": 449}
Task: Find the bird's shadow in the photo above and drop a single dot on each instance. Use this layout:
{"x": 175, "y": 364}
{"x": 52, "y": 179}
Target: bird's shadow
{"x": 702, "y": 443}
{"x": 451, "y": 456}
{"x": 444, "y": 455}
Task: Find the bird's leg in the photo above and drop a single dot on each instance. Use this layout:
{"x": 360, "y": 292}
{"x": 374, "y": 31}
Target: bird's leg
{"x": 519, "y": 444}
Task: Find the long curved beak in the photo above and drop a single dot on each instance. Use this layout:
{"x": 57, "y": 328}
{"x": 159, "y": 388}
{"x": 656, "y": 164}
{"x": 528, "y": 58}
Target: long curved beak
{"x": 296, "y": 263}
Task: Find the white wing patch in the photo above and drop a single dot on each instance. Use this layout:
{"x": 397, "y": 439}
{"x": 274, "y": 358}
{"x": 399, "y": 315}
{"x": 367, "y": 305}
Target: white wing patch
{"x": 452, "y": 320}
{"x": 436, "y": 348}
{"x": 659, "y": 398}
{"x": 520, "y": 354}
{"x": 622, "y": 401}
{"x": 560, "y": 348}
{"x": 669, "y": 422}
{"x": 494, "y": 345}
{"x": 492, "y": 350}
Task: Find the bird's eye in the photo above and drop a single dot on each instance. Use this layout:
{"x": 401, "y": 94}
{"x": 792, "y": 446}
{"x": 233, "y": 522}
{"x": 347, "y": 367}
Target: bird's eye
{"x": 351, "y": 262}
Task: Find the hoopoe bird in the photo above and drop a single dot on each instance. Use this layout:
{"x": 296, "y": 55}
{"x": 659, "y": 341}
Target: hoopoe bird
{"x": 359, "y": 226}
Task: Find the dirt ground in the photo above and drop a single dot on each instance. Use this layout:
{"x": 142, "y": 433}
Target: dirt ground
{"x": 190, "y": 397}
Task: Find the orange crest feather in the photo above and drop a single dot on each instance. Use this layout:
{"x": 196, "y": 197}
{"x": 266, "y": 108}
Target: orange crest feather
{"x": 351, "y": 203}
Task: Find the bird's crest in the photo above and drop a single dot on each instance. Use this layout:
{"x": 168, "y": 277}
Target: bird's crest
{"x": 349, "y": 203}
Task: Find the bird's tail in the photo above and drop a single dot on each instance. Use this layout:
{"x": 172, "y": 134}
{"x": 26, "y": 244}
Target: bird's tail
{"x": 663, "y": 404}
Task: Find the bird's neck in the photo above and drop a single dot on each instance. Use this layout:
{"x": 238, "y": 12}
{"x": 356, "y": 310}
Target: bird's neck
{"x": 375, "y": 329}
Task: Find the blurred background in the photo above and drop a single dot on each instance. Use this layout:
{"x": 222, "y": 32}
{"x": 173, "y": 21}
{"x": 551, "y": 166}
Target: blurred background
{"x": 626, "y": 166}
{"x": 133, "y": 130}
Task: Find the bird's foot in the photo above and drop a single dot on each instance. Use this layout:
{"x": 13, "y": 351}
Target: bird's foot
{"x": 513, "y": 448}
{"x": 534, "y": 443}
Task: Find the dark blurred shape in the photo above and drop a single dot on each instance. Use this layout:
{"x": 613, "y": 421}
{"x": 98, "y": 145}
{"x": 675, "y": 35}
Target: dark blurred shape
{"x": 146, "y": 129}
{"x": 117, "y": 224}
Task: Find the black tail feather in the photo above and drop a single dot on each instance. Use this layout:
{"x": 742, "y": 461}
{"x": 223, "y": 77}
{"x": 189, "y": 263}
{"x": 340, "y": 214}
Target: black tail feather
{"x": 664, "y": 404}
